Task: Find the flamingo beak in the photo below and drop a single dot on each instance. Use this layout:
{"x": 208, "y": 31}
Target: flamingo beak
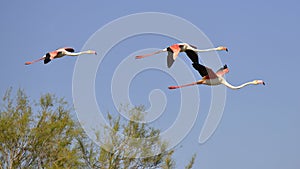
{"x": 226, "y": 49}
{"x": 264, "y": 83}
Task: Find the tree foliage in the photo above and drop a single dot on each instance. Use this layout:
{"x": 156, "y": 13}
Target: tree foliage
{"x": 126, "y": 151}
{"x": 37, "y": 140}
{"x": 44, "y": 135}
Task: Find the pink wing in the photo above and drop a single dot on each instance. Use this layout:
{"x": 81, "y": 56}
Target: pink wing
{"x": 222, "y": 71}
{"x": 210, "y": 73}
{"x": 53, "y": 54}
{"x": 173, "y": 52}
{"x": 204, "y": 71}
{"x": 69, "y": 49}
{"x": 176, "y": 49}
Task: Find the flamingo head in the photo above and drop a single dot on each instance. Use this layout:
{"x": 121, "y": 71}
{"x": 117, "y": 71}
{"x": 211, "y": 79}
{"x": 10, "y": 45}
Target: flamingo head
{"x": 225, "y": 69}
{"x": 222, "y": 48}
{"x": 259, "y": 82}
{"x": 92, "y": 52}
{"x": 28, "y": 63}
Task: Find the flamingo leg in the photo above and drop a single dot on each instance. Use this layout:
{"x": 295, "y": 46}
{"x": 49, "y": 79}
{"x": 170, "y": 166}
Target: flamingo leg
{"x": 189, "y": 84}
{"x": 34, "y": 61}
{"x": 186, "y": 85}
{"x": 150, "y": 54}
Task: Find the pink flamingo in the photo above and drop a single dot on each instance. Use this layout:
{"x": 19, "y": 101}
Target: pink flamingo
{"x": 58, "y": 53}
{"x": 211, "y": 78}
{"x": 175, "y": 49}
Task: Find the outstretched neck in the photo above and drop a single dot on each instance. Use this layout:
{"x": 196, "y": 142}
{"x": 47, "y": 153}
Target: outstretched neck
{"x": 80, "y": 53}
{"x": 236, "y": 87}
{"x": 206, "y": 50}
{"x": 84, "y": 52}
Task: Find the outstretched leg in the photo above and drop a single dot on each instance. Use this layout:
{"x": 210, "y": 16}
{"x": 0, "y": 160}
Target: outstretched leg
{"x": 150, "y": 54}
{"x": 186, "y": 85}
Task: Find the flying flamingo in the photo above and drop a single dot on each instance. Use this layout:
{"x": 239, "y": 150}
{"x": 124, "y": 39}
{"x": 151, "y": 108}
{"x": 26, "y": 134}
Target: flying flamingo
{"x": 211, "y": 78}
{"x": 58, "y": 53}
{"x": 175, "y": 49}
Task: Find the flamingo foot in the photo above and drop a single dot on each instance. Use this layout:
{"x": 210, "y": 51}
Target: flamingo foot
{"x": 173, "y": 87}
{"x": 139, "y": 57}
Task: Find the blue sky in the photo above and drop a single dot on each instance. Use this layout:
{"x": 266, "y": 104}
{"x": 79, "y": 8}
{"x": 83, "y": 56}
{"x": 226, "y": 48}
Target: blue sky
{"x": 260, "y": 125}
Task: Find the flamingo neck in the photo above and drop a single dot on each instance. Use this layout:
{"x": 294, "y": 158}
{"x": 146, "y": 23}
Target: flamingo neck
{"x": 206, "y": 50}
{"x": 78, "y": 53}
{"x": 236, "y": 87}
{"x": 83, "y": 52}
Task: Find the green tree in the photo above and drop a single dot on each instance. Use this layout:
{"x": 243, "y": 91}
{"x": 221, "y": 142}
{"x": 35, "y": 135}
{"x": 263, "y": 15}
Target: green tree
{"x": 121, "y": 152}
{"x": 44, "y": 135}
{"x": 37, "y": 140}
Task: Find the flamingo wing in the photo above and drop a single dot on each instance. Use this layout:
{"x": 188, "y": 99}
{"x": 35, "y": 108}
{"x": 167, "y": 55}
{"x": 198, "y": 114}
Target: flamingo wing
{"x": 47, "y": 58}
{"x": 193, "y": 46}
{"x": 170, "y": 59}
{"x": 52, "y": 55}
{"x": 192, "y": 55}
{"x": 69, "y": 49}
{"x": 173, "y": 52}
{"x": 205, "y": 71}
{"x": 222, "y": 71}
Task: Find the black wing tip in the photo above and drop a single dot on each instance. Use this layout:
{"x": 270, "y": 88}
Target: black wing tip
{"x": 69, "y": 49}
{"x": 46, "y": 60}
{"x": 201, "y": 69}
{"x": 193, "y": 46}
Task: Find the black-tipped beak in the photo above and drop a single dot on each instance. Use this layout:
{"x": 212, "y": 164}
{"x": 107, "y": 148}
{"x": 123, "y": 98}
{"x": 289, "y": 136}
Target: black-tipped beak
{"x": 264, "y": 83}
{"x": 226, "y": 49}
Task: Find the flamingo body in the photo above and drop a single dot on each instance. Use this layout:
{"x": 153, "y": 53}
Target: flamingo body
{"x": 210, "y": 78}
{"x": 60, "y": 52}
{"x": 175, "y": 49}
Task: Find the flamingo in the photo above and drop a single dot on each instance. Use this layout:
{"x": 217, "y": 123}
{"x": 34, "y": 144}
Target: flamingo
{"x": 211, "y": 78}
{"x": 175, "y": 49}
{"x": 58, "y": 53}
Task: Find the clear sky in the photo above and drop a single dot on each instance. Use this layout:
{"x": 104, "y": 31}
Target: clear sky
{"x": 260, "y": 124}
